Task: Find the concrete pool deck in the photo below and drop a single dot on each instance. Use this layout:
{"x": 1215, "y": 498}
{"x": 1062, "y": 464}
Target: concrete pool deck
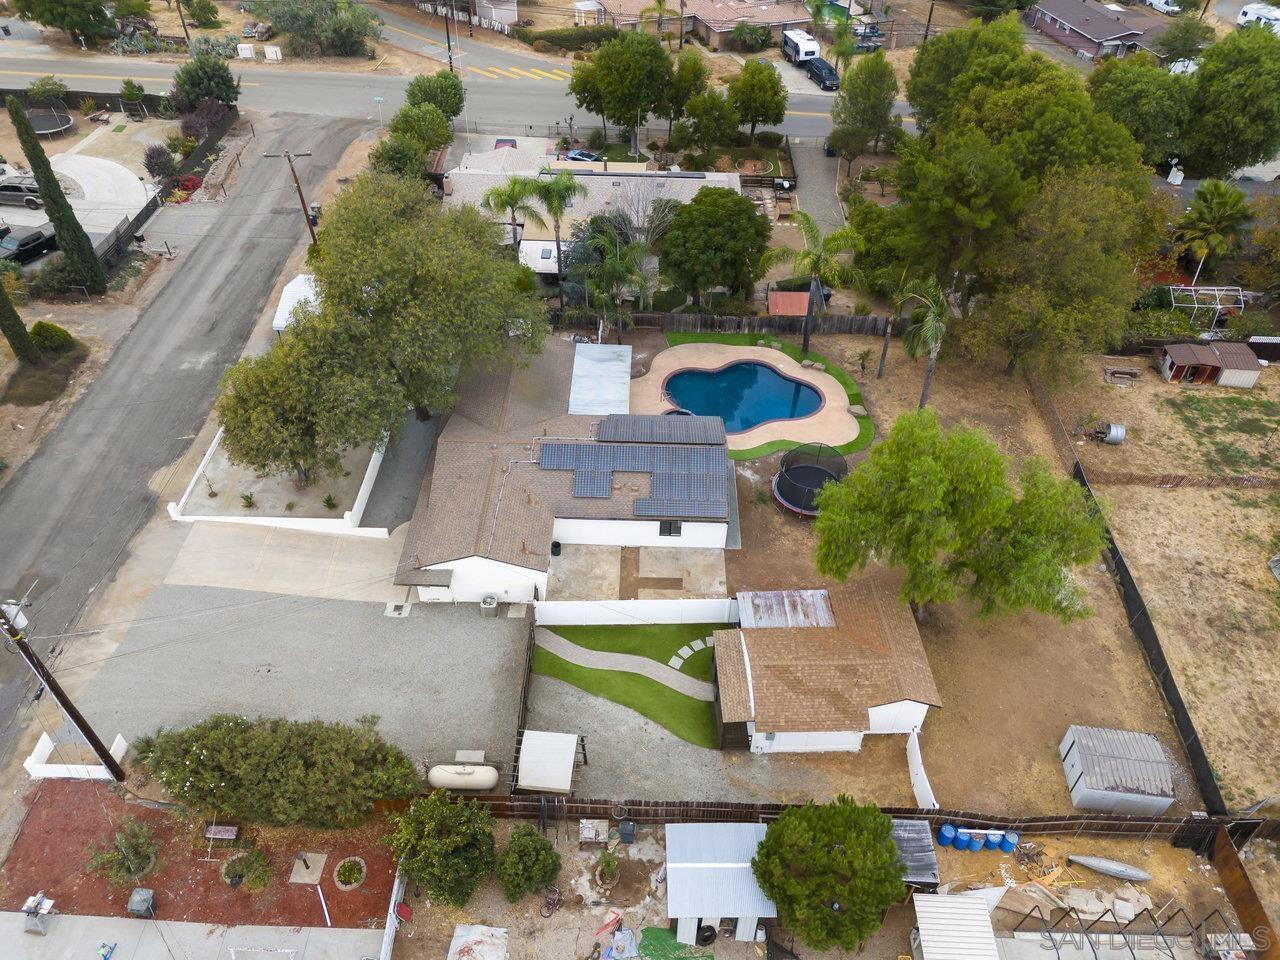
{"x": 831, "y": 423}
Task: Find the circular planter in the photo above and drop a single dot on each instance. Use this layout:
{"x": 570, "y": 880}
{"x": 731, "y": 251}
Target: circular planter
{"x": 364, "y": 872}
{"x": 151, "y": 865}
{"x": 226, "y": 866}
{"x": 609, "y": 884}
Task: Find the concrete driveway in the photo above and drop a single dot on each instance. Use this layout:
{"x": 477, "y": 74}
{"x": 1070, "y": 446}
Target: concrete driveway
{"x": 111, "y": 194}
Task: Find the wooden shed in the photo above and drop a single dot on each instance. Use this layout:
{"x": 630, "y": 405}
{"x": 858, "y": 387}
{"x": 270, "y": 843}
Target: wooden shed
{"x": 1189, "y": 363}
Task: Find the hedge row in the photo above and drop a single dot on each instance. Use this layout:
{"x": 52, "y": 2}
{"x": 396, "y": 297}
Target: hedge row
{"x": 568, "y": 38}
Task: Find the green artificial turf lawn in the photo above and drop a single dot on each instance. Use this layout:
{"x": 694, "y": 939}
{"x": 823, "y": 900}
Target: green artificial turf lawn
{"x": 866, "y": 429}
{"x": 658, "y": 641}
{"x": 689, "y": 719}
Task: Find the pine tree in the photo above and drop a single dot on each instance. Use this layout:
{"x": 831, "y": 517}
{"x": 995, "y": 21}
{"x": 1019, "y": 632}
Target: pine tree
{"x": 15, "y": 331}
{"x": 72, "y": 240}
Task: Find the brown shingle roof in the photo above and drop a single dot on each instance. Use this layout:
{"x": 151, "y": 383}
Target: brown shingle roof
{"x": 1100, "y": 23}
{"x": 825, "y": 679}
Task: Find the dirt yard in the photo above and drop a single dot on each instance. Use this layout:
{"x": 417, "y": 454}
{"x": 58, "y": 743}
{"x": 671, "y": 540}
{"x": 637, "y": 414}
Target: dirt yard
{"x": 67, "y": 817}
{"x": 1261, "y": 859}
{"x": 1009, "y": 686}
{"x": 1199, "y": 555}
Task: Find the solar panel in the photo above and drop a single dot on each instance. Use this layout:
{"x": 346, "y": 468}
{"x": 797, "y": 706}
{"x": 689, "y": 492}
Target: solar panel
{"x": 660, "y": 428}
{"x": 592, "y": 483}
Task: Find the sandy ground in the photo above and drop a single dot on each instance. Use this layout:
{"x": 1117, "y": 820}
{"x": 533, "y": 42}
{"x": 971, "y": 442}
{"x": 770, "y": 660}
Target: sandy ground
{"x": 11, "y": 150}
{"x": 1261, "y": 859}
{"x": 1009, "y": 686}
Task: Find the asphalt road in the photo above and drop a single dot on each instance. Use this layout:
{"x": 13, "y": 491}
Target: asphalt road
{"x": 69, "y": 513}
{"x": 510, "y": 104}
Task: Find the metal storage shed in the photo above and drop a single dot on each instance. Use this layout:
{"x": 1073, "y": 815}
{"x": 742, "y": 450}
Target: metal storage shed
{"x": 1116, "y": 771}
{"x": 952, "y": 928}
{"x": 914, "y": 840}
{"x": 709, "y": 879}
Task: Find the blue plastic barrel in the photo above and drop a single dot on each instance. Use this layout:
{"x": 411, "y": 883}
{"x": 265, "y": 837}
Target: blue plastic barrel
{"x": 1008, "y": 842}
{"x": 991, "y": 841}
{"x": 975, "y": 844}
{"x": 946, "y": 835}
{"x": 961, "y": 841}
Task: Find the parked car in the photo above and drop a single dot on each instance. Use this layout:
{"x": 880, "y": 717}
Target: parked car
{"x": 823, "y": 74}
{"x": 798, "y": 47}
{"x": 22, "y": 244}
{"x": 1163, "y": 6}
{"x": 20, "y": 191}
{"x": 584, "y": 156}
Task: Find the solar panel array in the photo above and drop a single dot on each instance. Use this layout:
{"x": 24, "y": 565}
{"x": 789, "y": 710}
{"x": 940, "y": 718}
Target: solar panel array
{"x": 687, "y": 481}
{"x": 660, "y": 428}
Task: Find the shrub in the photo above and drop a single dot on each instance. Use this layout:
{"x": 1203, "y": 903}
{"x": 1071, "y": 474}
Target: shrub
{"x": 608, "y": 865}
{"x": 398, "y": 155}
{"x": 1250, "y": 323}
{"x": 177, "y": 196}
{"x": 568, "y": 38}
{"x": 596, "y": 140}
{"x": 88, "y": 105}
{"x": 544, "y": 46}
{"x": 445, "y": 847}
{"x": 769, "y": 138}
{"x": 50, "y": 337}
{"x": 443, "y": 90}
{"x": 14, "y": 283}
{"x": 57, "y": 276}
{"x": 206, "y": 116}
{"x": 190, "y": 183}
{"x": 159, "y": 162}
{"x": 131, "y": 91}
{"x": 528, "y": 863}
{"x": 278, "y": 771}
{"x": 127, "y": 855}
{"x": 652, "y": 146}
{"x": 1159, "y": 323}
{"x": 47, "y": 88}
{"x": 203, "y": 13}
{"x": 253, "y": 870}
{"x": 177, "y": 143}
{"x": 350, "y": 872}
{"x": 205, "y": 76}
{"x": 313, "y": 27}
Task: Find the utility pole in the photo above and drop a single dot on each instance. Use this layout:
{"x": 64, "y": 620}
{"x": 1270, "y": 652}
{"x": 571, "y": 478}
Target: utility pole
{"x": 927, "y": 24}
{"x": 448, "y": 41}
{"x": 306, "y": 212}
{"x": 185, "y": 32}
{"x": 10, "y": 632}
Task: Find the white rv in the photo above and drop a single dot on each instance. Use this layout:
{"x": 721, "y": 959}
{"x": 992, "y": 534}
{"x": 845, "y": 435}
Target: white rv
{"x": 798, "y": 47}
{"x": 1260, "y": 13}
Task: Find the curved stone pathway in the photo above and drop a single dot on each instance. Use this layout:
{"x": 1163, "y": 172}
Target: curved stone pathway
{"x": 625, "y": 662}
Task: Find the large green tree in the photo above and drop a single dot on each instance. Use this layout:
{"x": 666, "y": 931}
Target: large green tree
{"x": 206, "y": 75}
{"x": 426, "y": 288}
{"x": 1066, "y": 280}
{"x": 715, "y": 239}
{"x": 447, "y": 847}
{"x": 709, "y": 119}
{"x": 938, "y": 504}
{"x": 865, "y": 101}
{"x": 72, "y": 240}
{"x": 948, "y": 55}
{"x": 832, "y": 869}
{"x": 85, "y": 20}
{"x": 1184, "y": 38}
{"x": 307, "y": 401}
{"x": 422, "y": 124}
{"x": 1236, "y": 107}
{"x": 1262, "y": 271}
{"x": 632, "y": 72}
{"x": 15, "y": 331}
{"x": 758, "y": 96}
{"x": 584, "y": 87}
{"x": 688, "y": 79}
{"x": 1153, "y": 104}
{"x": 442, "y": 90}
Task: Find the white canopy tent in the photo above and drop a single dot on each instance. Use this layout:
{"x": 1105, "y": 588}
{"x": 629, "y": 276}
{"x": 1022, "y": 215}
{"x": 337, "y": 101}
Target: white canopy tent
{"x": 546, "y": 761}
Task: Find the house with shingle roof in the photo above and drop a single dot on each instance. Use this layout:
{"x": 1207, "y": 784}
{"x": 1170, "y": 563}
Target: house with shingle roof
{"x": 1098, "y": 29}
{"x": 789, "y": 687}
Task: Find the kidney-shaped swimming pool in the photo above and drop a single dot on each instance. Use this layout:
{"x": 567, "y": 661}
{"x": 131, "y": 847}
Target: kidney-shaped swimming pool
{"x": 743, "y": 395}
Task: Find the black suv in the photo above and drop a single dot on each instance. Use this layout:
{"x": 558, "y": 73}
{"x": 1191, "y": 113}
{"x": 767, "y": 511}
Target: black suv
{"x": 21, "y": 244}
{"x": 823, "y": 74}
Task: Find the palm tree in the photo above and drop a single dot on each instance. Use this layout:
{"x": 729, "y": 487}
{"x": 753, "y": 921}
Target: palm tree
{"x": 660, "y": 9}
{"x": 555, "y": 191}
{"x": 513, "y": 198}
{"x": 621, "y": 268}
{"x": 819, "y": 12}
{"x": 843, "y": 45}
{"x": 1211, "y": 225}
{"x": 927, "y": 327}
{"x": 824, "y": 260}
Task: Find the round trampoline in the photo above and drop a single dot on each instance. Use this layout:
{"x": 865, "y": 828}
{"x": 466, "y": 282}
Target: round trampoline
{"x": 50, "y": 118}
{"x": 803, "y": 472}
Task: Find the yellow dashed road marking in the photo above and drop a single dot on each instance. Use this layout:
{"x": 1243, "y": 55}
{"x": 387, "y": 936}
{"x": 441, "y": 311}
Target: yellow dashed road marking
{"x": 95, "y": 76}
{"x": 562, "y": 74}
{"x": 416, "y": 36}
{"x": 509, "y": 76}
{"x": 804, "y": 113}
{"x": 544, "y": 73}
{"x": 483, "y": 73}
{"x": 524, "y": 73}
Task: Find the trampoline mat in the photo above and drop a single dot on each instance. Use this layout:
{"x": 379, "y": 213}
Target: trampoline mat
{"x": 49, "y": 122}
{"x": 797, "y": 486}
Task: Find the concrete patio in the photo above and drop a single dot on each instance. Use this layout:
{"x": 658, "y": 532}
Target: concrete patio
{"x": 590, "y": 572}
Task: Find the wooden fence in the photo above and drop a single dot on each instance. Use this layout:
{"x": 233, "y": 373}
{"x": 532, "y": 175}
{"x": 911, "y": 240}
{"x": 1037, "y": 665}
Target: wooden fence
{"x": 1174, "y": 480}
{"x": 870, "y": 325}
{"x": 1240, "y": 891}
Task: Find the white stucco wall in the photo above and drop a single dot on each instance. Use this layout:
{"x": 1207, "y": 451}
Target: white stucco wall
{"x": 639, "y": 533}
{"x": 476, "y": 577}
{"x": 580, "y": 612}
{"x": 902, "y": 716}
{"x": 844, "y": 741}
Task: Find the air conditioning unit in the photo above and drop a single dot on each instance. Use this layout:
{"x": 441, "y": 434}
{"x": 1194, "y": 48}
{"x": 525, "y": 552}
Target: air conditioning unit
{"x": 489, "y": 605}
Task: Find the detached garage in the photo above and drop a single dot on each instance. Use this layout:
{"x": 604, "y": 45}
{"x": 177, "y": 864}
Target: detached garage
{"x": 1116, "y": 771}
{"x": 711, "y": 888}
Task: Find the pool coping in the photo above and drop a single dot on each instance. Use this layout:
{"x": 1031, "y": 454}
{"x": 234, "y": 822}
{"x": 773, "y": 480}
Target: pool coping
{"x": 831, "y": 423}
{"x": 822, "y": 397}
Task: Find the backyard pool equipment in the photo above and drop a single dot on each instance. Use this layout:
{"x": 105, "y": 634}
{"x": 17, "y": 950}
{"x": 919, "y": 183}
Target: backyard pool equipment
{"x": 743, "y": 395}
{"x": 50, "y": 118}
{"x": 803, "y": 473}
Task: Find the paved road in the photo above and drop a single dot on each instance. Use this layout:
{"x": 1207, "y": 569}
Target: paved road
{"x": 510, "y": 104}
{"x": 69, "y": 513}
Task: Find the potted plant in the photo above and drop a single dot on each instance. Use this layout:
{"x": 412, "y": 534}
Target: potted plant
{"x": 607, "y": 870}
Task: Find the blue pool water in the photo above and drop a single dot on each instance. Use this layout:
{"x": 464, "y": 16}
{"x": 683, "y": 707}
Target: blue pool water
{"x": 743, "y": 395}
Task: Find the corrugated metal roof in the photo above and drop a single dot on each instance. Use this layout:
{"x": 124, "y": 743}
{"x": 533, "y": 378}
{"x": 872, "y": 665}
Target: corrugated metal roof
{"x": 1236, "y": 356}
{"x": 954, "y": 928}
{"x": 914, "y": 840}
{"x": 546, "y": 761}
{"x": 785, "y": 608}
{"x": 786, "y": 303}
{"x": 601, "y": 379}
{"x": 709, "y": 871}
{"x": 1123, "y": 761}
{"x": 660, "y": 428}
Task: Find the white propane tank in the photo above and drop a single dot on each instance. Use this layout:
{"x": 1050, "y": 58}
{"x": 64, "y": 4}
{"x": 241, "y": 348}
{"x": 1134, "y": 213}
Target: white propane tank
{"x": 462, "y": 776}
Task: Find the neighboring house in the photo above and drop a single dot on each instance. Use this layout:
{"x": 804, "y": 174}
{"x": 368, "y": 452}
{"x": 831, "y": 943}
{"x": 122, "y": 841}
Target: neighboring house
{"x": 1093, "y": 29}
{"x": 1222, "y": 362}
{"x": 546, "y": 454}
{"x": 710, "y": 884}
{"x": 711, "y": 20}
{"x": 789, "y": 682}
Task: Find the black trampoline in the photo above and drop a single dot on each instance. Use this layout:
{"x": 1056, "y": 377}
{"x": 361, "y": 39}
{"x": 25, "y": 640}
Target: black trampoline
{"x": 51, "y": 118}
{"x": 803, "y": 472}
